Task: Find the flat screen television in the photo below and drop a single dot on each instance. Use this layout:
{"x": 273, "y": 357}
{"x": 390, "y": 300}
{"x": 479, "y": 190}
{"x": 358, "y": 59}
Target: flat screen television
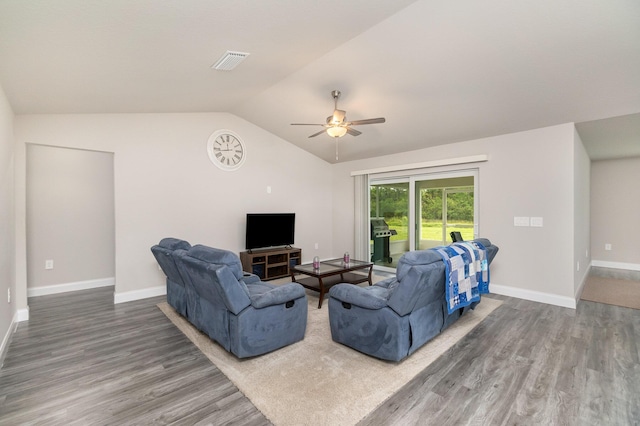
{"x": 270, "y": 230}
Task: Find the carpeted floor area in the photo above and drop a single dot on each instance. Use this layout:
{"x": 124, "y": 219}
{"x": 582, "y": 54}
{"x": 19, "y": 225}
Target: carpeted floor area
{"x": 612, "y": 291}
{"x": 317, "y": 381}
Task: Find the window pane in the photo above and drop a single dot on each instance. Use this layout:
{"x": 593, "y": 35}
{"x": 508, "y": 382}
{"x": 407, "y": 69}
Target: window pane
{"x": 460, "y": 212}
{"x": 389, "y": 210}
{"x": 430, "y": 214}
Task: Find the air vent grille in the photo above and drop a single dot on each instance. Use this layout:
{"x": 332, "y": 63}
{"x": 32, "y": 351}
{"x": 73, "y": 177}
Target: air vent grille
{"x": 229, "y": 60}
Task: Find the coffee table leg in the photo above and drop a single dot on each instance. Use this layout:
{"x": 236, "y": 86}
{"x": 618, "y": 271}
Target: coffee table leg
{"x": 321, "y": 292}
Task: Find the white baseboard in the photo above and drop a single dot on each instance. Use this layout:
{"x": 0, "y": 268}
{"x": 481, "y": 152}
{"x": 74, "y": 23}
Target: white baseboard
{"x": 578, "y": 293}
{"x": 22, "y": 315}
{"x": 616, "y": 265}
{"x": 145, "y": 293}
{"x": 7, "y": 338}
{"x": 75, "y": 286}
{"x": 535, "y": 296}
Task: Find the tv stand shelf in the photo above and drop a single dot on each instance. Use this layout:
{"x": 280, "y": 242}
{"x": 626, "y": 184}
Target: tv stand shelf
{"x": 270, "y": 264}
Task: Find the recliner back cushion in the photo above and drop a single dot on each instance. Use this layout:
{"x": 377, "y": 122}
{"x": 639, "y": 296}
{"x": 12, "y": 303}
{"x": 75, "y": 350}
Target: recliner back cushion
{"x": 412, "y": 258}
{"x": 417, "y": 286}
{"x": 214, "y": 283}
{"x": 218, "y": 257}
{"x": 234, "y": 293}
{"x": 164, "y": 253}
{"x": 174, "y": 244}
{"x": 167, "y": 264}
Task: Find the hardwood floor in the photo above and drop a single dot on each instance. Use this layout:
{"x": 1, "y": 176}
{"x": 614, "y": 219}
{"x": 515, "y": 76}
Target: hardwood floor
{"x": 81, "y": 360}
{"x": 530, "y": 363}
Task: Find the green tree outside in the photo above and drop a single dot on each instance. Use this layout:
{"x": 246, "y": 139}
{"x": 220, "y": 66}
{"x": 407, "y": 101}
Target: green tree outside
{"x": 393, "y": 206}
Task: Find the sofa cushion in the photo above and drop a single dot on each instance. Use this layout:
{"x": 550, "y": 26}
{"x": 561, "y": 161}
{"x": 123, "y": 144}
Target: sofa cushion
{"x": 218, "y": 257}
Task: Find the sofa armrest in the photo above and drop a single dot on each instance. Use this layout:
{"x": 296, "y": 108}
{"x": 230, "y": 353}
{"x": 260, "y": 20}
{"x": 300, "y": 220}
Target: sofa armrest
{"x": 278, "y": 295}
{"x": 386, "y": 283}
{"x": 364, "y": 297}
{"x": 248, "y": 278}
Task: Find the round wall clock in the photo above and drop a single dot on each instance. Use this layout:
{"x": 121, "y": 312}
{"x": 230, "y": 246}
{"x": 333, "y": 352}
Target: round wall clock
{"x": 226, "y": 150}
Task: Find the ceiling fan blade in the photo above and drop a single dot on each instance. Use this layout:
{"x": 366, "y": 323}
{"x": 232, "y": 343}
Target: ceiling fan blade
{"x": 367, "y": 121}
{"x": 306, "y": 124}
{"x": 316, "y": 134}
{"x": 353, "y": 132}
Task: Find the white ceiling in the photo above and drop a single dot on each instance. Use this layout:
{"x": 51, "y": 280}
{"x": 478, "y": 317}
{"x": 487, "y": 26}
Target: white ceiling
{"x": 439, "y": 71}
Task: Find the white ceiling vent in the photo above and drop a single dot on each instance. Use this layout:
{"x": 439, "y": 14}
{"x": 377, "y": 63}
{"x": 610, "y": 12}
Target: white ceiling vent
{"x": 229, "y": 60}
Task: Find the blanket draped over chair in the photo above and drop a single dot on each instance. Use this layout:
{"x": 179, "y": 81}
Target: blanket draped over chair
{"x": 394, "y": 317}
{"x": 466, "y": 273}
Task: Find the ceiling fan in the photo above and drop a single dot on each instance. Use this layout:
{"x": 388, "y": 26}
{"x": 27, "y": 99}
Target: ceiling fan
{"x": 337, "y": 124}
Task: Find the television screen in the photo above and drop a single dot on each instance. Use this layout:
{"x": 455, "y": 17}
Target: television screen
{"x": 270, "y": 229}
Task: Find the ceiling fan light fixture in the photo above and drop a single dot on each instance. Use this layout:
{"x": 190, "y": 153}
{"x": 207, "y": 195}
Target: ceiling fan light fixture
{"x": 337, "y": 132}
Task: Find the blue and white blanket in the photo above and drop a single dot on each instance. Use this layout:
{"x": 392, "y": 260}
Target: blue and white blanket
{"x": 466, "y": 273}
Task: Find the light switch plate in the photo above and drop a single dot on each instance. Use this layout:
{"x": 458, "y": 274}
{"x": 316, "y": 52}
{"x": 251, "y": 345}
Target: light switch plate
{"x": 520, "y": 221}
{"x": 536, "y": 221}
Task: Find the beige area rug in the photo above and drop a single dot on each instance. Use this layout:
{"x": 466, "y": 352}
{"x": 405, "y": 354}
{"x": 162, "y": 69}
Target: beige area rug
{"x": 317, "y": 381}
{"x": 612, "y": 291}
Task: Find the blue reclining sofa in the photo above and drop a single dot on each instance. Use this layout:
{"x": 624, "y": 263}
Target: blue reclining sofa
{"x": 244, "y": 315}
{"x": 393, "y": 318}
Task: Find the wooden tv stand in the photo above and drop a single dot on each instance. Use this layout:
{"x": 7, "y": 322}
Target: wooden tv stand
{"x": 270, "y": 264}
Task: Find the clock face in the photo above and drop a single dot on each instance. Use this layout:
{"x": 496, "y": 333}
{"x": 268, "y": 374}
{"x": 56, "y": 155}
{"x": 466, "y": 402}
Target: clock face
{"x": 226, "y": 150}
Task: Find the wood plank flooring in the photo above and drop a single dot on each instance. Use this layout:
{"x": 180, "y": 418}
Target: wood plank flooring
{"x": 530, "y": 364}
{"x": 80, "y": 360}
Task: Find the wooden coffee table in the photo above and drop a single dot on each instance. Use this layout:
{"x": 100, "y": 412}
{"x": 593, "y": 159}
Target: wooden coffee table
{"x": 331, "y": 272}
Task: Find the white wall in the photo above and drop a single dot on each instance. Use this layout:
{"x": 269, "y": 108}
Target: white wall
{"x": 582, "y": 214}
{"x": 615, "y": 203}
{"x": 7, "y": 222}
{"x": 165, "y": 184}
{"x": 528, "y": 174}
{"x": 70, "y": 219}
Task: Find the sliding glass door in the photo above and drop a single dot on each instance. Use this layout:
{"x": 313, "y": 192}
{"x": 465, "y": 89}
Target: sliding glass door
{"x": 421, "y": 211}
{"x": 389, "y": 219}
{"x": 446, "y": 205}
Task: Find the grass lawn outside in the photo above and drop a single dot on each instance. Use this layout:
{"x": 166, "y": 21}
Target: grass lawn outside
{"x": 431, "y": 230}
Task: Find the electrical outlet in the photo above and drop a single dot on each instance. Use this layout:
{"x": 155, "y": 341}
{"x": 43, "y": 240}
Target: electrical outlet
{"x": 316, "y": 246}
{"x": 48, "y": 264}
{"x": 9, "y": 295}
{"x": 607, "y": 246}
{"x": 578, "y": 266}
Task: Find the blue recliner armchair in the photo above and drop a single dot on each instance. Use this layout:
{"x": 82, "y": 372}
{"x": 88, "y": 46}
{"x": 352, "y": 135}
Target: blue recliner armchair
{"x": 246, "y": 316}
{"x": 176, "y": 291}
{"x": 393, "y": 318}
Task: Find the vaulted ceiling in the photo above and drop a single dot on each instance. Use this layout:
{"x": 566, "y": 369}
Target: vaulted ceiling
{"x": 439, "y": 71}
